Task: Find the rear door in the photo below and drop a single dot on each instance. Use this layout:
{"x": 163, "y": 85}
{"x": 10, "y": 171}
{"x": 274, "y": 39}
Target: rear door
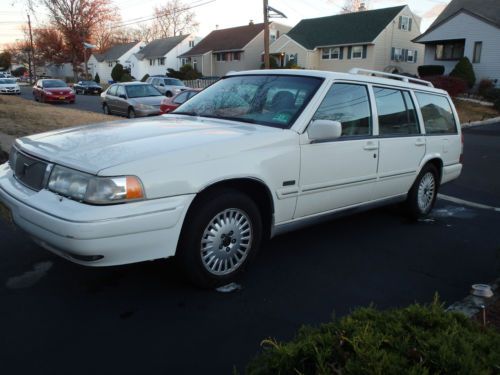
{"x": 111, "y": 98}
{"x": 402, "y": 144}
{"x": 121, "y": 100}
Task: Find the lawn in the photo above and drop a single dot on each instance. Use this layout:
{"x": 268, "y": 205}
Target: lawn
{"x": 468, "y": 111}
{"x": 19, "y": 117}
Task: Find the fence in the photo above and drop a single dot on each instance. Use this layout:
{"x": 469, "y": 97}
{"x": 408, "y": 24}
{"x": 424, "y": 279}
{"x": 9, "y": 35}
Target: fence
{"x": 200, "y": 83}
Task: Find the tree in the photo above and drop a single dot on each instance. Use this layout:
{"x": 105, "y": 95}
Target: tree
{"x": 5, "y": 60}
{"x": 76, "y": 20}
{"x": 50, "y": 46}
{"x": 117, "y": 72}
{"x": 185, "y": 73}
{"x": 97, "y": 79}
{"x": 351, "y": 6}
{"x": 173, "y": 19}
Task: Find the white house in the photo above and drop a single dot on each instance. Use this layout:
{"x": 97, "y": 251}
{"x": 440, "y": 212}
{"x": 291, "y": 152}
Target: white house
{"x": 159, "y": 55}
{"x": 468, "y": 28}
{"x": 379, "y": 39}
{"x": 103, "y": 63}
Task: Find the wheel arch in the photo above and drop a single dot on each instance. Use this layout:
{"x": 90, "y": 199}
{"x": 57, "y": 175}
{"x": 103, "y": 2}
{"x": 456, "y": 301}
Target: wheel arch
{"x": 436, "y": 161}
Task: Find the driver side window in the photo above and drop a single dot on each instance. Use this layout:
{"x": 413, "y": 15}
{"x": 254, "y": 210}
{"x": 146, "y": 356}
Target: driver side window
{"x": 349, "y": 104}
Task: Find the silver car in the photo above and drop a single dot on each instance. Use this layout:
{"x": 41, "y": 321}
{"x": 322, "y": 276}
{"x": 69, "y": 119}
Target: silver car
{"x": 132, "y": 99}
{"x": 167, "y": 86}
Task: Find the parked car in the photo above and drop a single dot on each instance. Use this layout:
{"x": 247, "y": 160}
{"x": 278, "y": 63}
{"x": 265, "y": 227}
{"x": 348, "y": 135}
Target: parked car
{"x": 169, "y": 104}
{"x": 167, "y": 86}
{"x": 132, "y": 99}
{"x": 9, "y": 86}
{"x": 87, "y": 87}
{"x": 254, "y": 155}
{"x": 53, "y": 90}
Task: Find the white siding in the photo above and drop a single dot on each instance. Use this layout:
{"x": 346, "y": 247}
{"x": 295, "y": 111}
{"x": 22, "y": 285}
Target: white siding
{"x": 472, "y": 29}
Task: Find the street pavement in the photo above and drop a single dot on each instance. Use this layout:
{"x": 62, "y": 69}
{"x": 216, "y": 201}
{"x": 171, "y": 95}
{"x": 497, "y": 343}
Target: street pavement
{"x": 84, "y": 102}
{"x": 60, "y": 318}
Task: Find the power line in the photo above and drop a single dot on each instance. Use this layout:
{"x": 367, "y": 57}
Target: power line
{"x": 128, "y": 23}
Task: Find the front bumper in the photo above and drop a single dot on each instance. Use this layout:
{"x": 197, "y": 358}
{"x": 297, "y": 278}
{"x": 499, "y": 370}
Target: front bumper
{"x": 95, "y": 235}
{"x": 10, "y": 91}
{"x": 146, "y": 112}
{"x": 59, "y": 98}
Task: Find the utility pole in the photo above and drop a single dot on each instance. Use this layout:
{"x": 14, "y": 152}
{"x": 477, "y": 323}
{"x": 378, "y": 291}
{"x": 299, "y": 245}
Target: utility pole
{"x": 31, "y": 58}
{"x": 266, "y": 34}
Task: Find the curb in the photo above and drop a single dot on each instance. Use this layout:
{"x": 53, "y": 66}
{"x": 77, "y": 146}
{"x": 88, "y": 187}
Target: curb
{"x": 469, "y": 307}
{"x": 477, "y": 123}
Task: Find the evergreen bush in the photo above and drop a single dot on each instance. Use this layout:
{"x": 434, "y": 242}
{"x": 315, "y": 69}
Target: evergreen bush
{"x": 465, "y": 71}
{"x": 117, "y": 72}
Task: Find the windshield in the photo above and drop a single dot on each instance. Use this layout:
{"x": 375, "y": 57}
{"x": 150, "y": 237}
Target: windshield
{"x": 4, "y": 81}
{"x": 271, "y": 100}
{"x": 173, "y": 82}
{"x": 139, "y": 91}
{"x": 54, "y": 83}
{"x": 88, "y": 83}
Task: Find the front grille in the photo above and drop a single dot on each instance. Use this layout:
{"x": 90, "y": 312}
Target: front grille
{"x": 28, "y": 170}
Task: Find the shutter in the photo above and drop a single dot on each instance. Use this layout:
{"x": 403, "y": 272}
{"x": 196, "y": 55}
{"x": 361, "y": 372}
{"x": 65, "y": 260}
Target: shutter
{"x": 400, "y": 21}
{"x": 409, "y": 24}
{"x": 296, "y": 59}
{"x": 415, "y": 56}
{"x": 393, "y": 53}
{"x": 341, "y": 53}
{"x": 349, "y": 52}
{"x": 405, "y": 54}
{"x": 364, "y": 51}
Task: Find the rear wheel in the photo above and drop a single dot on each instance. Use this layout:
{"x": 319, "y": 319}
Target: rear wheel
{"x": 422, "y": 195}
{"x": 221, "y": 234}
{"x": 105, "y": 109}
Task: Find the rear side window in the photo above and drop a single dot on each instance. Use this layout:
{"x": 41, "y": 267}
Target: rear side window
{"x": 437, "y": 114}
{"x": 112, "y": 90}
{"x": 396, "y": 112}
{"x": 348, "y": 104}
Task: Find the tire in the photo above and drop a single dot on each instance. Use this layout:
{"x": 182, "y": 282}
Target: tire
{"x": 235, "y": 239}
{"x": 131, "y": 113}
{"x": 423, "y": 193}
{"x": 168, "y": 94}
{"x": 105, "y": 109}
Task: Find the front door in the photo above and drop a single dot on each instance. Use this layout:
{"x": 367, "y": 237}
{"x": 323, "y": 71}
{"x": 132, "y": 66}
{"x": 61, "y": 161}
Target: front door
{"x": 342, "y": 172}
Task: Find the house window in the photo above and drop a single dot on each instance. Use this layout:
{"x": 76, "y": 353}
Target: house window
{"x": 478, "y": 46}
{"x": 402, "y": 54}
{"x": 357, "y": 52}
{"x": 450, "y": 51}
{"x": 110, "y": 64}
{"x": 191, "y": 43}
{"x": 405, "y": 23}
{"x": 331, "y": 53}
{"x": 398, "y": 54}
{"x": 195, "y": 64}
{"x": 161, "y": 61}
{"x": 237, "y": 56}
{"x": 152, "y": 62}
{"x": 410, "y": 56}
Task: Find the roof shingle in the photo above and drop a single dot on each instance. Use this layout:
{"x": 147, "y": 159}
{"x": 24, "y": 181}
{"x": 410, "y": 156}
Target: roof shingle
{"x": 350, "y": 28}
{"x": 234, "y": 38}
{"x": 115, "y": 52}
{"x": 160, "y": 47}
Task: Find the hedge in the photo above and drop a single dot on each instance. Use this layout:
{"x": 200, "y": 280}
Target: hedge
{"x": 430, "y": 70}
{"x": 413, "y": 340}
{"x": 455, "y": 86}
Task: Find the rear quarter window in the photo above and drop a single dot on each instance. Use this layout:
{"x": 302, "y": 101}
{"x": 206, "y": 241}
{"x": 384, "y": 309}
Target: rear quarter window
{"x": 436, "y": 113}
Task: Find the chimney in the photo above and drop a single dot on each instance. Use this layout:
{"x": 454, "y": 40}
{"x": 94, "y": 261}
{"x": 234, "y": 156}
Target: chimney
{"x": 250, "y": 23}
{"x": 362, "y": 7}
{"x": 216, "y": 27}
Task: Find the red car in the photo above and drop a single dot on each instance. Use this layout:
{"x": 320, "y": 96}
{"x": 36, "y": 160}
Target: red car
{"x": 53, "y": 90}
{"x": 169, "y": 104}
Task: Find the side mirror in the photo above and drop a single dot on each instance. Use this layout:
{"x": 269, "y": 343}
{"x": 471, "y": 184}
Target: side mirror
{"x": 122, "y": 96}
{"x": 324, "y": 130}
{"x": 162, "y": 84}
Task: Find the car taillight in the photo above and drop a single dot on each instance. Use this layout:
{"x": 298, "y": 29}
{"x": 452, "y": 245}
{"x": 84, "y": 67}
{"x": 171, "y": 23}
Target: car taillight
{"x": 462, "y": 150}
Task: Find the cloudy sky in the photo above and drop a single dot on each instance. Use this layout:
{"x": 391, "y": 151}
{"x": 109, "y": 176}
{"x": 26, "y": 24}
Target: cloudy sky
{"x": 224, "y": 13}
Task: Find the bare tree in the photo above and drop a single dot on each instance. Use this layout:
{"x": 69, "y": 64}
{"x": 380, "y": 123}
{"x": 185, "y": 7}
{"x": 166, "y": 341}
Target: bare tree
{"x": 76, "y": 20}
{"x": 351, "y": 6}
{"x": 174, "y": 18}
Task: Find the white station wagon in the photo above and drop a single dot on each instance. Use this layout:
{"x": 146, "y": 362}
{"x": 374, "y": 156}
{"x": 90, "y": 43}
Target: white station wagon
{"x": 254, "y": 155}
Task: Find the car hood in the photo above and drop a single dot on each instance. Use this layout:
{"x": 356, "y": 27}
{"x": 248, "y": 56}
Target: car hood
{"x": 92, "y": 148}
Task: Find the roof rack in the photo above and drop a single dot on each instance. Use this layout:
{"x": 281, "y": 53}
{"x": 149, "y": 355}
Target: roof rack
{"x": 390, "y": 75}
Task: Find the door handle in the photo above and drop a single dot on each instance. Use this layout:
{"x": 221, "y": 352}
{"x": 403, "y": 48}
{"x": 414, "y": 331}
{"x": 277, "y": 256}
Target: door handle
{"x": 370, "y": 146}
{"x": 419, "y": 142}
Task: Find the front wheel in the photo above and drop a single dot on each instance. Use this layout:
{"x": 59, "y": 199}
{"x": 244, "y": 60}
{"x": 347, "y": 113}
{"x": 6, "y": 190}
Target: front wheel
{"x": 131, "y": 113}
{"x": 221, "y": 234}
{"x": 422, "y": 195}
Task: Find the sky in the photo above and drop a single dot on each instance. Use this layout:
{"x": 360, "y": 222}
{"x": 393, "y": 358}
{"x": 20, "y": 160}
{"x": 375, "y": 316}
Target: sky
{"x": 213, "y": 13}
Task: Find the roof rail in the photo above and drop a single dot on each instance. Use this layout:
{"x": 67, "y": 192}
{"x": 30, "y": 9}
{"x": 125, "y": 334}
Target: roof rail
{"x": 390, "y": 75}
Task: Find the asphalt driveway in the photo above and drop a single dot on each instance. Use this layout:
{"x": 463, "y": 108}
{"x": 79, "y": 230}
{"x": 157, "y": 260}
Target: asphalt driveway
{"x": 60, "y": 318}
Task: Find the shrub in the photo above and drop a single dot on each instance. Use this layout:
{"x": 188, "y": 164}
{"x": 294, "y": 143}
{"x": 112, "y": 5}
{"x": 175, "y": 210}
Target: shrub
{"x": 455, "y": 86}
{"x": 117, "y": 72}
{"x": 18, "y": 72}
{"x": 273, "y": 64}
{"x": 188, "y": 72}
{"x": 492, "y": 95}
{"x": 484, "y": 86}
{"x": 464, "y": 70}
{"x": 496, "y": 104}
{"x": 414, "y": 340}
{"x": 145, "y": 78}
{"x": 126, "y": 77}
{"x": 97, "y": 79}
{"x": 430, "y": 70}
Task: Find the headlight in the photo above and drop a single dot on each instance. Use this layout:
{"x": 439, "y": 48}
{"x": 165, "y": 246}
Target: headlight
{"x": 144, "y": 106}
{"x": 87, "y": 188}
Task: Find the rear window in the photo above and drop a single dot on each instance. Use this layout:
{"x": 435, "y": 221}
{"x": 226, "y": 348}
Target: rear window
{"x": 437, "y": 114}
{"x": 396, "y": 113}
